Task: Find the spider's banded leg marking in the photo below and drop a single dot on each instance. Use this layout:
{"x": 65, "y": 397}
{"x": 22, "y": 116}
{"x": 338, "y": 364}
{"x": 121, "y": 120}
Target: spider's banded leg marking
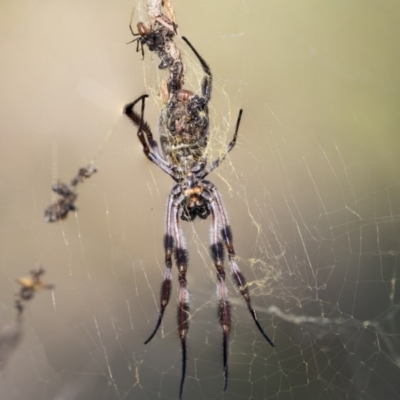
{"x": 230, "y": 146}
{"x": 150, "y": 146}
{"x": 181, "y": 259}
{"x": 237, "y": 275}
{"x": 183, "y": 327}
{"x": 174, "y": 243}
{"x": 206, "y": 84}
{"x": 224, "y": 307}
{"x": 166, "y": 286}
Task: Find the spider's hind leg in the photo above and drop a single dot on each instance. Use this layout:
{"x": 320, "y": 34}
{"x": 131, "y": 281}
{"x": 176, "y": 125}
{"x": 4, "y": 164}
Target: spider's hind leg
{"x": 217, "y": 256}
{"x": 237, "y": 275}
{"x": 240, "y": 281}
{"x": 226, "y": 234}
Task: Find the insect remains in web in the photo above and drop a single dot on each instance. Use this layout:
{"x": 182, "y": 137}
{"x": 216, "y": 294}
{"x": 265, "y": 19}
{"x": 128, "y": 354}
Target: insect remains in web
{"x": 67, "y": 195}
{"x": 184, "y": 137}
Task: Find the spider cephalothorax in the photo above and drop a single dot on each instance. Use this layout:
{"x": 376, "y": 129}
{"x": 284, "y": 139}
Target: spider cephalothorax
{"x": 194, "y": 205}
{"x": 184, "y": 138}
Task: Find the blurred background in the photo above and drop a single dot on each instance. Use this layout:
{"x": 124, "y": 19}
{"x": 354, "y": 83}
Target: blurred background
{"x": 312, "y": 191}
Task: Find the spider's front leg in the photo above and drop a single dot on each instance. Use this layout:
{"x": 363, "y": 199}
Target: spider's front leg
{"x": 230, "y": 146}
{"x": 143, "y": 127}
{"x": 206, "y": 85}
{"x": 145, "y": 135}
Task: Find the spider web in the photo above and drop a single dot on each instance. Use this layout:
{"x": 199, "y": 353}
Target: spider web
{"x": 312, "y": 191}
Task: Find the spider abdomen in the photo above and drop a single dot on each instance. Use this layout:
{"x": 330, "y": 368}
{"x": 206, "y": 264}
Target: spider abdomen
{"x": 183, "y": 135}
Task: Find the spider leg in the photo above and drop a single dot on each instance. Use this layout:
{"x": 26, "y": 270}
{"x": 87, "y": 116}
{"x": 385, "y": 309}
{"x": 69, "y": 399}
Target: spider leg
{"x": 183, "y": 326}
{"x": 224, "y": 307}
{"x": 141, "y": 48}
{"x": 134, "y": 40}
{"x": 181, "y": 259}
{"x": 230, "y": 146}
{"x": 174, "y": 244}
{"x": 206, "y": 85}
{"x": 133, "y": 33}
{"x": 141, "y": 124}
{"x": 145, "y": 135}
{"x": 166, "y": 286}
{"x": 237, "y": 275}
{"x": 139, "y": 44}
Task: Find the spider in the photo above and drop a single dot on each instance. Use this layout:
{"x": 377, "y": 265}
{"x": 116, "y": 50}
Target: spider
{"x": 29, "y": 286}
{"x": 184, "y": 159}
{"x": 156, "y": 41}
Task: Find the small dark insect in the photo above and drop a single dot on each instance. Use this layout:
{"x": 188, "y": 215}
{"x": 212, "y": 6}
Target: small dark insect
{"x": 184, "y": 136}
{"x": 66, "y": 203}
